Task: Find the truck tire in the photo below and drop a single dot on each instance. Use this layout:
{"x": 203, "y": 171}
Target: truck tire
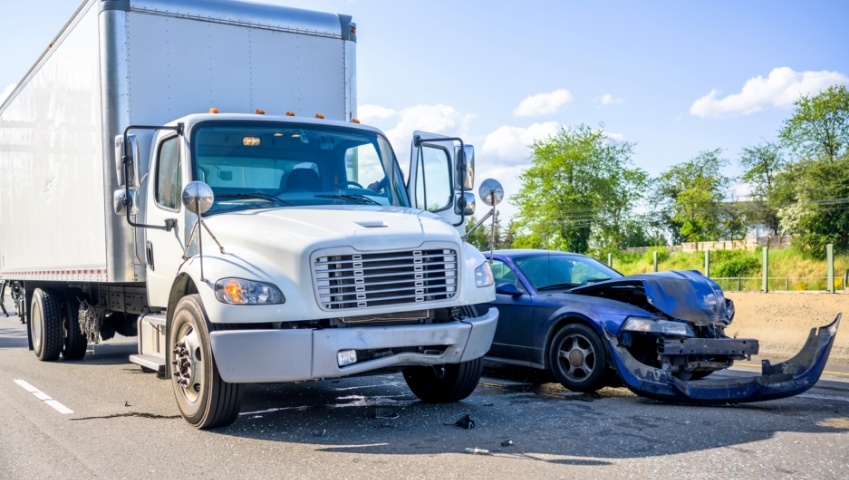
{"x": 577, "y": 358}
{"x": 45, "y": 325}
{"x": 205, "y": 401}
{"x": 75, "y": 343}
{"x": 444, "y": 384}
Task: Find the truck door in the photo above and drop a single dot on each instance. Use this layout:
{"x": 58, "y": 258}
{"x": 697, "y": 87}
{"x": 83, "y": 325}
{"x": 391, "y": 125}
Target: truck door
{"x": 436, "y": 182}
{"x": 164, "y": 249}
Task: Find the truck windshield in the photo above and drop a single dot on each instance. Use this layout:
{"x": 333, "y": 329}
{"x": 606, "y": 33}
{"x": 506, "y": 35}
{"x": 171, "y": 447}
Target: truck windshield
{"x": 262, "y": 164}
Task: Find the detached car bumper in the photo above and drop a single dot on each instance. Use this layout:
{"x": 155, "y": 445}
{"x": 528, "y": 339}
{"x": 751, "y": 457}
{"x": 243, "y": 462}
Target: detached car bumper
{"x": 781, "y": 380}
{"x": 265, "y": 356}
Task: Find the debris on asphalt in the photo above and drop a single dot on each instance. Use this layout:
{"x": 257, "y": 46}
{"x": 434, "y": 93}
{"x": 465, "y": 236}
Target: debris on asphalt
{"x": 465, "y": 422}
{"x": 507, "y": 443}
{"x": 320, "y": 433}
{"x": 382, "y": 413}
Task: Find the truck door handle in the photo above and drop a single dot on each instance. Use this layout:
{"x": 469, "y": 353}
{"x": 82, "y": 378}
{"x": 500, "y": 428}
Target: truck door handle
{"x": 149, "y": 254}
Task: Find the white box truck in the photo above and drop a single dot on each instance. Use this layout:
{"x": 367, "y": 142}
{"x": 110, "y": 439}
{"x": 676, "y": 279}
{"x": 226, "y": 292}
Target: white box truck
{"x": 193, "y": 173}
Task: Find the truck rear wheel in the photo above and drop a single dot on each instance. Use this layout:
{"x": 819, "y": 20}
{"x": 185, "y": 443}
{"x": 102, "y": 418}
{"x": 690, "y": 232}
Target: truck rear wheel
{"x": 446, "y": 383}
{"x": 45, "y": 325}
{"x": 205, "y": 401}
{"x": 75, "y": 343}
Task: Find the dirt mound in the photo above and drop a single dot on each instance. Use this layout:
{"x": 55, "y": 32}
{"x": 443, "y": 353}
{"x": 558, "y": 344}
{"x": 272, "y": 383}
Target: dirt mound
{"x": 781, "y": 321}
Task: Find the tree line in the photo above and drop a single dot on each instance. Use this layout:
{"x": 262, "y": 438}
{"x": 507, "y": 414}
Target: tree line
{"x": 583, "y": 194}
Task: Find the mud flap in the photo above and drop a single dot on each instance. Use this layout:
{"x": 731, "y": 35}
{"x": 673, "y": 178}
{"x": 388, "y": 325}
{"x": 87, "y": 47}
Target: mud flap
{"x": 781, "y": 380}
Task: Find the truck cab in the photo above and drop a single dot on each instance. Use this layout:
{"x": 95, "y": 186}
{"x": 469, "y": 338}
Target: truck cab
{"x": 310, "y": 260}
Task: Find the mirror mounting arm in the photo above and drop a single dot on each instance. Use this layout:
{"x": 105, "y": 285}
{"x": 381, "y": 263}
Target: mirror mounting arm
{"x": 127, "y": 160}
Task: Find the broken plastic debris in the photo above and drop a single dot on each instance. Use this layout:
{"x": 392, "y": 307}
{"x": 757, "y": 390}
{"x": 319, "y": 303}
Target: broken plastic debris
{"x": 382, "y": 413}
{"x": 465, "y": 422}
{"x": 476, "y": 451}
{"x": 320, "y": 433}
{"x": 507, "y": 443}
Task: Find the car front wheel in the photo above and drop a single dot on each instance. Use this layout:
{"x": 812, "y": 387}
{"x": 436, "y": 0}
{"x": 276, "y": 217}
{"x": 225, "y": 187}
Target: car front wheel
{"x": 577, "y": 358}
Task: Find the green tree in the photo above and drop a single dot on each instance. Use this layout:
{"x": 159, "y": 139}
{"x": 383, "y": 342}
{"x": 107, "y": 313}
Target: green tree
{"x": 763, "y": 163}
{"x": 819, "y": 127}
{"x": 815, "y": 187}
{"x": 578, "y": 192}
{"x": 688, "y": 197}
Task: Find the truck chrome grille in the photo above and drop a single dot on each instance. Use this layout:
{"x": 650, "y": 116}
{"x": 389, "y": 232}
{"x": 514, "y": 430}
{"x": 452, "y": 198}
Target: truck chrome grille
{"x": 361, "y": 280}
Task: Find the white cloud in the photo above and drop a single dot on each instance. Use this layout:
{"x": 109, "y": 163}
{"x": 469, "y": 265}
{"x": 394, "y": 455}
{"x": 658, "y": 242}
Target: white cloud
{"x": 371, "y": 113}
{"x": 608, "y": 100}
{"x": 510, "y": 145}
{"x": 615, "y": 136}
{"x": 780, "y": 89}
{"x": 543, "y": 103}
{"x": 6, "y": 92}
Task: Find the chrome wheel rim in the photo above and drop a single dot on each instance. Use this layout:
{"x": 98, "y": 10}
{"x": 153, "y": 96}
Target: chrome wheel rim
{"x": 37, "y": 325}
{"x": 577, "y": 358}
{"x": 188, "y": 364}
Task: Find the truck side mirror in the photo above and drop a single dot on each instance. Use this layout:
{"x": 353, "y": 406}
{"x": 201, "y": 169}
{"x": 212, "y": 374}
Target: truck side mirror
{"x": 198, "y": 197}
{"x": 133, "y": 152}
{"x": 469, "y": 179}
{"x": 491, "y": 192}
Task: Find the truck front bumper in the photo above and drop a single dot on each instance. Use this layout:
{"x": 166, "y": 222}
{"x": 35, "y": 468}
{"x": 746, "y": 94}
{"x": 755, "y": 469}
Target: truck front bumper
{"x": 267, "y": 356}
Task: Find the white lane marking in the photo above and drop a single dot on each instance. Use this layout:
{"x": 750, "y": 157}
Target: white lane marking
{"x": 44, "y": 397}
{"x": 823, "y": 397}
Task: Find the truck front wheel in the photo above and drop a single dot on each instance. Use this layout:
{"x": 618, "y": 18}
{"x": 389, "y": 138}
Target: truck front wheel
{"x": 45, "y": 325}
{"x": 445, "y": 383}
{"x": 205, "y": 401}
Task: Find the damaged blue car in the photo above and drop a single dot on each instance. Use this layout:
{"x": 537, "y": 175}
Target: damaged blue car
{"x": 660, "y": 334}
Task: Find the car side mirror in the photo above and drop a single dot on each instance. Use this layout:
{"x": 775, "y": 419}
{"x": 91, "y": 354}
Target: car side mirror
{"x": 508, "y": 289}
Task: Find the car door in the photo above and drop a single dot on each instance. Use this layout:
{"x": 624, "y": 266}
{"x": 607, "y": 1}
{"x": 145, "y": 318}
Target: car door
{"x": 514, "y": 333}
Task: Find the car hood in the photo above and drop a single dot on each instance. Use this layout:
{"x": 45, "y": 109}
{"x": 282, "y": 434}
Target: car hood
{"x": 684, "y": 295}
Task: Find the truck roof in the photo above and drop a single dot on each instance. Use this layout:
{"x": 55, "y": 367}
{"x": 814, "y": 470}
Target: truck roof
{"x": 196, "y": 118}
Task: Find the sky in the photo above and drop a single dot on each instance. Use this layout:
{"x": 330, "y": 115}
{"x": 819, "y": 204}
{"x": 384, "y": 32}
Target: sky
{"x": 675, "y": 78}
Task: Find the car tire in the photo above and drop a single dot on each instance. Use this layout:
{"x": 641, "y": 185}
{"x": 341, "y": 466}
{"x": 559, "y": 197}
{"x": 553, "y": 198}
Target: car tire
{"x": 445, "y": 384}
{"x": 577, "y": 358}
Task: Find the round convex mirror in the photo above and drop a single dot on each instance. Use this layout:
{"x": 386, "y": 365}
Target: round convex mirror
{"x": 198, "y": 197}
{"x": 491, "y": 192}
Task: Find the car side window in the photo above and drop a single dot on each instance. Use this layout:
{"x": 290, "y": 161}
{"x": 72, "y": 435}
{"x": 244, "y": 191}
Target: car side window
{"x": 504, "y": 274}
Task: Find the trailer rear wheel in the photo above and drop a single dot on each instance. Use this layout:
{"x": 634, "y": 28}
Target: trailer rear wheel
{"x": 446, "y": 383}
{"x": 45, "y": 325}
{"x": 205, "y": 401}
{"x": 75, "y": 343}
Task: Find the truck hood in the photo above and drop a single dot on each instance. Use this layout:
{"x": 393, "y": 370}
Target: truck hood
{"x": 370, "y": 228}
{"x": 684, "y": 295}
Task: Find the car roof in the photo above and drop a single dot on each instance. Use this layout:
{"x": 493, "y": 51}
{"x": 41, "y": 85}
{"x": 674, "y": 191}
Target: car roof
{"x": 526, "y": 252}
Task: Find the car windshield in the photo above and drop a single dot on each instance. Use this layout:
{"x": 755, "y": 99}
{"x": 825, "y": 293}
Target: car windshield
{"x": 561, "y": 272}
{"x": 262, "y": 164}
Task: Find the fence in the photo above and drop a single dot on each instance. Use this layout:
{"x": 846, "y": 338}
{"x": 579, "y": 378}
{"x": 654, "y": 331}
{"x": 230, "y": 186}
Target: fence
{"x": 767, "y": 283}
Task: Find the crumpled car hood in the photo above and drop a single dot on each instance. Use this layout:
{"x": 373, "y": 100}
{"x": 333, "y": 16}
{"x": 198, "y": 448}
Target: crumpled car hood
{"x": 683, "y": 294}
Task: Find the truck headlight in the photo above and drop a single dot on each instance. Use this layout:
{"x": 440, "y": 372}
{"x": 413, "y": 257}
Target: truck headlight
{"x": 483, "y": 275}
{"x": 659, "y": 327}
{"x": 238, "y": 291}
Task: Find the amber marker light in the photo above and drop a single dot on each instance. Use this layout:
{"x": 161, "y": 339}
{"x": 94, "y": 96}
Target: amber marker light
{"x": 250, "y": 141}
{"x": 319, "y": 115}
{"x": 290, "y": 113}
{"x": 260, "y": 111}
{"x": 234, "y": 291}
{"x": 213, "y": 110}
{"x": 355, "y": 120}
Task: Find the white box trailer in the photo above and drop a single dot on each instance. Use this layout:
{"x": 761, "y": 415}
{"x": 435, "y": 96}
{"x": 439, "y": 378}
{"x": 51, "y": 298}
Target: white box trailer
{"x": 320, "y": 260}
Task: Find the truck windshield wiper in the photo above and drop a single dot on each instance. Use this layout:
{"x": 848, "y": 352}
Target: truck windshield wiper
{"x": 557, "y": 286}
{"x": 261, "y": 196}
{"x": 361, "y": 199}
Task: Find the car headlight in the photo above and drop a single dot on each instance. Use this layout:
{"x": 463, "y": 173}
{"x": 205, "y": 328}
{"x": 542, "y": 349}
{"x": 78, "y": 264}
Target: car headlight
{"x": 483, "y": 275}
{"x": 238, "y": 291}
{"x": 657, "y": 326}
